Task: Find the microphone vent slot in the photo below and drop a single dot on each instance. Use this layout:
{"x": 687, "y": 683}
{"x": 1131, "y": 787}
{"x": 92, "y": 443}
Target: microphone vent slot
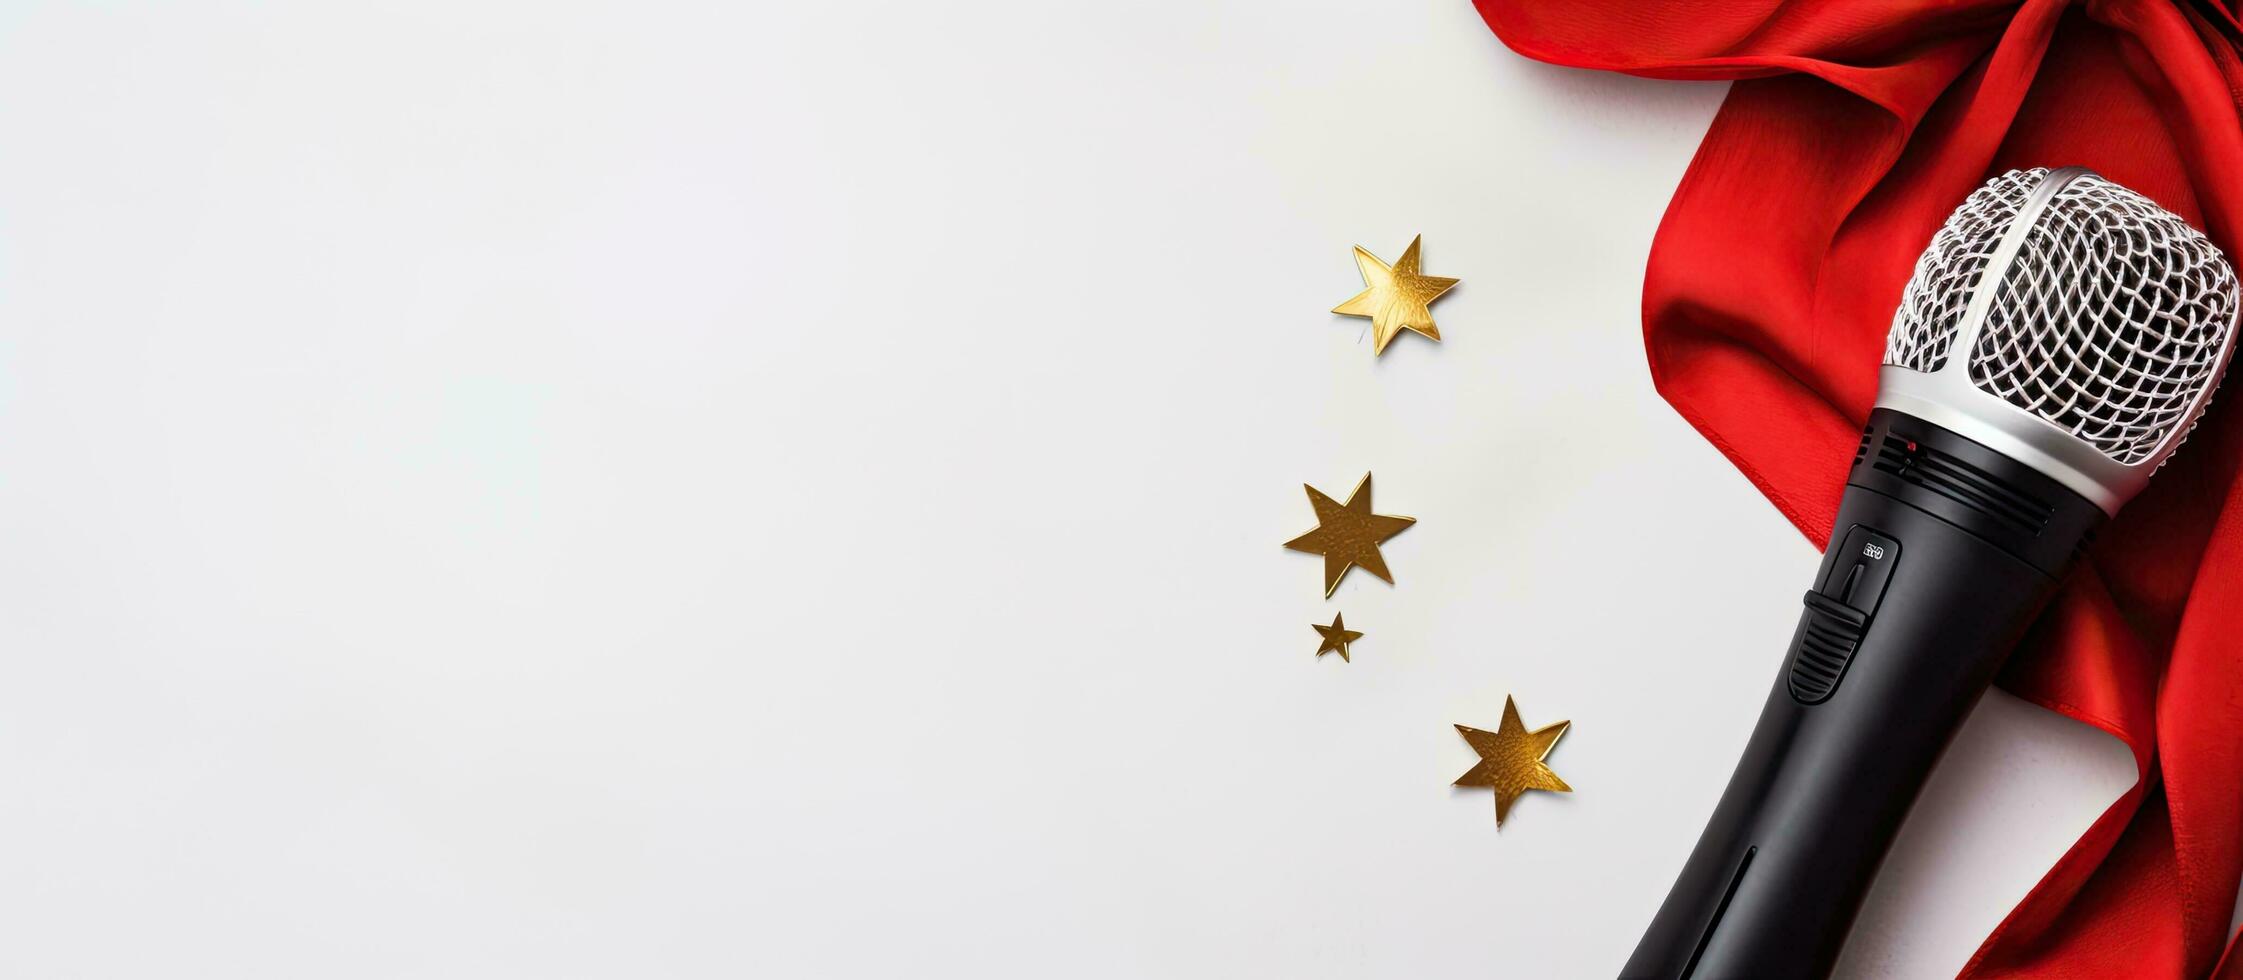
{"x": 1950, "y": 477}
{"x": 2086, "y": 538}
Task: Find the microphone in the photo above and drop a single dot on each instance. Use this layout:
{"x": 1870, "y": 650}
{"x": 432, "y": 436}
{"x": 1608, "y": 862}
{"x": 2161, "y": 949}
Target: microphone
{"x": 2056, "y": 342}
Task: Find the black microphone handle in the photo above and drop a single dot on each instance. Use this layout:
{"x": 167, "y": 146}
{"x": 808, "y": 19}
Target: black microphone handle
{"x": 1942, "y": 553}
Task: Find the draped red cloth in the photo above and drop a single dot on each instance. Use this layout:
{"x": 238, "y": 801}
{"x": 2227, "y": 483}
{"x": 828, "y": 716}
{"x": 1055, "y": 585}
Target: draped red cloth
{"x": 1855, "y": 126}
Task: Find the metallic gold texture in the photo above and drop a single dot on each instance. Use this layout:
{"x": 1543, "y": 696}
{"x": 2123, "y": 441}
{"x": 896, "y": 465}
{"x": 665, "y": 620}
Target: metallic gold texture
{"x": 1511, "y": 759}
{"x": 1395, "y": 297}
{"x": 1348, "y": 534}
{"x": 1336, "y": 637}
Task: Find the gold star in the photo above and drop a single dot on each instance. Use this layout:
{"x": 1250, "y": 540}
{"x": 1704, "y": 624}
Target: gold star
{"x": 1511, "y": 759}
{"x": 1348, "y": 534}
{"x": 1395, "y": 297}
{"x": 1336, "y": 637}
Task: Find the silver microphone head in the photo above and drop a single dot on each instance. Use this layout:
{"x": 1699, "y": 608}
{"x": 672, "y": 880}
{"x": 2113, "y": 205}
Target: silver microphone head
{"x": 2095, "y": 326}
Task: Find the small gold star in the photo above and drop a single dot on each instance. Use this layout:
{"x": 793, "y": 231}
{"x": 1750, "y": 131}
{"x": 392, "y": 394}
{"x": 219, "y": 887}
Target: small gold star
{"x": 1348, "y": 534}
{"x": 1336, "y": 637}
{"x": 1395, "y": 297}
{"x": 1511, "y": 759}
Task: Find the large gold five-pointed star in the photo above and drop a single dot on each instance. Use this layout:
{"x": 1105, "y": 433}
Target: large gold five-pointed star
{"x": 1395, "y": 297}
{"x": 1336, "y": 637}
{"x": 1511, "y": 759}
{"x": 1348, "y": 534}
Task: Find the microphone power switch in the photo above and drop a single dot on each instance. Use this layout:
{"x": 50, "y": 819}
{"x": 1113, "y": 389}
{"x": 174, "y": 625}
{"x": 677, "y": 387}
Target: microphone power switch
{"x": 1856, "y": 572}
{"x": 1853, "y": 579}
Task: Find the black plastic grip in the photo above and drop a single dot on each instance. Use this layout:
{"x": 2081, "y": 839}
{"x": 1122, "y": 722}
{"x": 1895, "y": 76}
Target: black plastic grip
{"x": 1828, "y": 635}
{"x": 1943, "y": 552}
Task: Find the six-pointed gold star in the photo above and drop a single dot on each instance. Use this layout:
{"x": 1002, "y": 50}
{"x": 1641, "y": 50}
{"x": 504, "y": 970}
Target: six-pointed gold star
{"x": 1336, "y": 637}
{"x": 1511, "y": 759}
{"x": 1396, "y": 297}
{"x": 1348, "y": 534}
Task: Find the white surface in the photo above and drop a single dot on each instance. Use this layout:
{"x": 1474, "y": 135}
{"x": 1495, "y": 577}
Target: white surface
{"x": 664, "y": 490}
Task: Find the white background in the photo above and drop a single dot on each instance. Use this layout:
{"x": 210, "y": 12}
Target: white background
{"x": 563, "y": 490}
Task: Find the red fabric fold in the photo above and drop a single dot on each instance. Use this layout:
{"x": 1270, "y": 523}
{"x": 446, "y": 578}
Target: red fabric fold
{"x": 1854, "y": 127}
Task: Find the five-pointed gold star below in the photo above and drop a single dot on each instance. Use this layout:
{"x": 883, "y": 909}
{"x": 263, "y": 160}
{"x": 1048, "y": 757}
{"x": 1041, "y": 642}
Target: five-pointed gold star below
{"x": 1511, "y": 759}
{"x": 1348, "y": 534}
{"x": 1395, "y": 297}
{"x": 1336, "y": 637}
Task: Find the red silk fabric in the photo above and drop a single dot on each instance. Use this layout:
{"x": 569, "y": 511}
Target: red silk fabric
{"x": 1855, "y": 126}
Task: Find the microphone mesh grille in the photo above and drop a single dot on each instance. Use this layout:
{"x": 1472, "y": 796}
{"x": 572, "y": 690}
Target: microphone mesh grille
{"x": 1932, "y": 306}
{"x": 2110, "y": 322}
